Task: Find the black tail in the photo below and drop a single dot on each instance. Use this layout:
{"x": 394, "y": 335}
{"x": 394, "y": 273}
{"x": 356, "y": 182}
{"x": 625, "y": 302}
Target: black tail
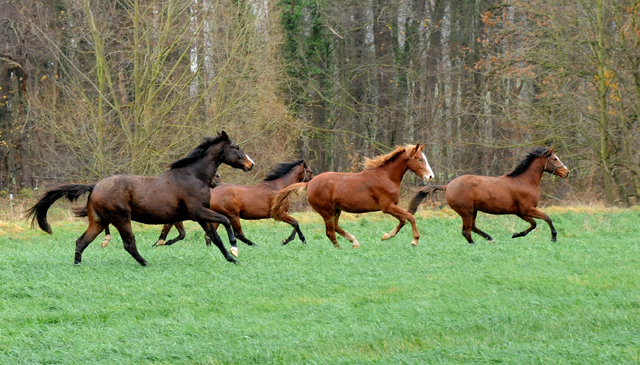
{"x": 39, "y": 210}
{"x": 419, "y": 196}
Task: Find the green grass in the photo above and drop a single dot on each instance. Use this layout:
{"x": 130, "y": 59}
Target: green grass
{"x": 519, "y": 301}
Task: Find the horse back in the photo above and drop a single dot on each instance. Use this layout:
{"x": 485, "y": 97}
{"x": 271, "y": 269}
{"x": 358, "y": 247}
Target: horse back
{"x": 148, "y": 199}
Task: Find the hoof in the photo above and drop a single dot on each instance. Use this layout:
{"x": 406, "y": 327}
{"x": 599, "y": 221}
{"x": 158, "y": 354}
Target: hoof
{"x": 106, "y": 241}
{"x": 337, "y": 247}
{"x": 491, "y": 241}
{"x": 386, "y": 236}
{"x": 234, "y": 251}
{"x": 356, "y": 246}
{"x": 159, "y": 243}
{"x": 414, "y": 243}
{"x": 284, "y": 242}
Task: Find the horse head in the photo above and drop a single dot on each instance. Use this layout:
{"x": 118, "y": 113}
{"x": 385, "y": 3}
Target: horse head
{"x": 554, "y": 166}
{"x": 234, "y": 156}
{"x": 305, "y": 174}
{"x": 418, "y": 163}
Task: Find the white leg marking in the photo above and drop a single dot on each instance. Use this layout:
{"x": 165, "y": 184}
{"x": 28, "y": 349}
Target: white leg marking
{"x": 106, "y": 241}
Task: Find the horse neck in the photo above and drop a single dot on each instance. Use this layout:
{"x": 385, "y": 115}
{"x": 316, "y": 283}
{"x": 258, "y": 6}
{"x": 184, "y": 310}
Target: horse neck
{"x": 395, "y": 169}
{"x": 533, "y": 175}
{"x": 206, "y": 168}
{"x": 289, "y": 178}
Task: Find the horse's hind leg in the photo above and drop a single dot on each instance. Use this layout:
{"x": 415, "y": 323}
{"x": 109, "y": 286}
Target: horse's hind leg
{"x": 181, "y": 233}
{"x": 107, "y": 237}
{"x": 129, "y": 240}
{"x": 478, "y": 230}
{"x": 346, "y": 234}
{"x": 296, "y": 229}
{"x": 86, "y": 238}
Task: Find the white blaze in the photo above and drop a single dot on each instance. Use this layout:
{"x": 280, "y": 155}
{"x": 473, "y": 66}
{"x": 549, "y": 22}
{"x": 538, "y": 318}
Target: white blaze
{"x": 430, "y": 172}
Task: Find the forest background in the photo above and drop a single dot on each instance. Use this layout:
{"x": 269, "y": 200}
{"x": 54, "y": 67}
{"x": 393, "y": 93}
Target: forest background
{"x": 91, "y": 88}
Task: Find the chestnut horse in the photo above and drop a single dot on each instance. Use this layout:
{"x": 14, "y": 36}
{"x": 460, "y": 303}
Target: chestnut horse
{"x": 178, "y": 194}
{"x": 252, "y": 202}
{"x": 375, "y": 188}
{"x": 517, "y": 192}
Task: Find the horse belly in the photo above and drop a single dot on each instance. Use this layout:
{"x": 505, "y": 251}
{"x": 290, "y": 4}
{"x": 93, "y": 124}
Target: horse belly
{"x": 359, "y": 200}
{"x": 486, "y": 194}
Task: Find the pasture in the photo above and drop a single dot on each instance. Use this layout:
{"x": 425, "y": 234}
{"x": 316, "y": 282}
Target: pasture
{"x": 517, "y": 301}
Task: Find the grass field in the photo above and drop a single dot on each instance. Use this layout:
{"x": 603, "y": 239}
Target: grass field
{"x": 518, "y": 301}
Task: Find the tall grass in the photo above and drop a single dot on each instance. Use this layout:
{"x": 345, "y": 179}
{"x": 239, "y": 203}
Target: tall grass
{"x": 525, "y": 300}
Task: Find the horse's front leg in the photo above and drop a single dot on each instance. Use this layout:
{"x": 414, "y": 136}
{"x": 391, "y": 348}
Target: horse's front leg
{"x": 181, "y": 234}
{"x": 403, "y": 216}
{"x": 296, "y": 229}
{"x": 535, "y": 213}
{"x": 206, "y": 217}
{"x": 163, "y": 235}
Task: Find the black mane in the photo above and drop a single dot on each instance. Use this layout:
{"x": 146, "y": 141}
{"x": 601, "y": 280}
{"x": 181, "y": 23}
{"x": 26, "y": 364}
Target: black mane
{"x": 524, "y": 164}
{"x": 197, "y": 153}
{"x": 282, "y": 169}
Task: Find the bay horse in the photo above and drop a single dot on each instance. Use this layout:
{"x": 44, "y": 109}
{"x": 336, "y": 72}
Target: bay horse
{"x": 517, "y": 192}
{"x": 178, "y": 194}
{"x": 252, "y": 202}
{"x": 82, "y": 212}
{"x": 375, "y": 188}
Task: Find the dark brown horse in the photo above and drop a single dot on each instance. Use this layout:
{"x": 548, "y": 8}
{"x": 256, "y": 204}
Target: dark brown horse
{"x": 217, "y": 180}
{"x": 517, "y": 192}
{"x": 253, "y": 202}
{"x": 376, "y": 188}
{"x": 178, "y": 194}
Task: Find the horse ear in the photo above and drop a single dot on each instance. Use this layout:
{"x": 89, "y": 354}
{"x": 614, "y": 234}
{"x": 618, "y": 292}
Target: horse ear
{"x": 415, "y": 150}
{"x": 550, "y": 151}
{"x": 422, "y": 147}
{"x": 224, "y": 135}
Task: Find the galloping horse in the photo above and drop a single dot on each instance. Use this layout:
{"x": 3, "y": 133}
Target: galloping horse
{"x": 253, "y": 202}
{"x": 82, "y": 212}
{"x": 178, "y": 194}
{"x": 517, "y": 192}
{"x": 375, "y": 188}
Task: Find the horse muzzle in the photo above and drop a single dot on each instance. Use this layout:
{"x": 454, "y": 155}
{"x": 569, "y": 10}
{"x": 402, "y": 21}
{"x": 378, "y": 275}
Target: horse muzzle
{"x": 563, "y": 173}
{"x": 248, "y": 167}
{"x": 428, "y": 177}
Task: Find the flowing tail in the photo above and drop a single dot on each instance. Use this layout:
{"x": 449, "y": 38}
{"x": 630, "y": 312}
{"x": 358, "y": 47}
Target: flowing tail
{"x": 281, "y": 201}
{"x": 39, "y": 210}
{"x": 421, "y": 194}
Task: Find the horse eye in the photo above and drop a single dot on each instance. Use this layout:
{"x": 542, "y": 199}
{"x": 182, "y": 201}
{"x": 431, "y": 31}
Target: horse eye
{"x": 420, "y": 160}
